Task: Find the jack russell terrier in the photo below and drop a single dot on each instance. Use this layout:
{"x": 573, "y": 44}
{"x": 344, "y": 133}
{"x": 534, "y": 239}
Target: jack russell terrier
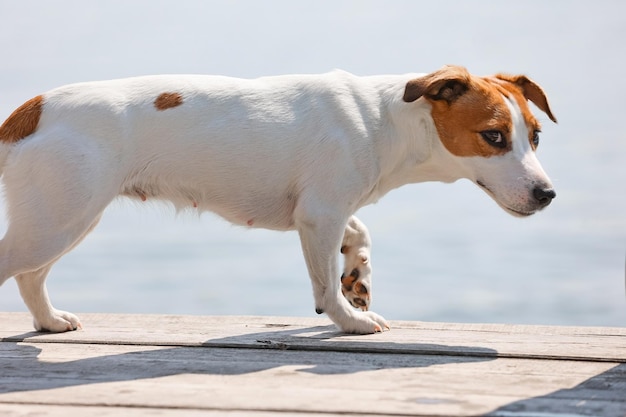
{"x": 295, "y": 152}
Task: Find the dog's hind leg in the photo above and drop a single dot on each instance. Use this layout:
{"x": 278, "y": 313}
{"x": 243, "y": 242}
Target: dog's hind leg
{"x": 45, "y": 317}
{"x": 35, "y": 295}
{"x": 356, "y": 280}
{"x": 33, "y": 289}
{"x": 55, "y": 192}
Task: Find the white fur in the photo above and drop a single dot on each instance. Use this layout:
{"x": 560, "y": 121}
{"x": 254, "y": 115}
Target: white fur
{"x": 286, "y": 153}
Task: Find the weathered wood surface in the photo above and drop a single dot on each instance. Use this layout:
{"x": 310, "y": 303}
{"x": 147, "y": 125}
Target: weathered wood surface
{"x": 137, "y": 365}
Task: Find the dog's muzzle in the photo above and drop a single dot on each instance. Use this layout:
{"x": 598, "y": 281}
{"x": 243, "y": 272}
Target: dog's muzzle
{"x": 539, "y": 197}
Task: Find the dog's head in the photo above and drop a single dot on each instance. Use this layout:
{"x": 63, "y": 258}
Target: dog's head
{"x": 488, "y": 131}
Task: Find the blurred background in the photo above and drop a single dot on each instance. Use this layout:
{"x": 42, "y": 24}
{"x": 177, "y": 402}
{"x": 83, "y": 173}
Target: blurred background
{"x": 440, "y": 252}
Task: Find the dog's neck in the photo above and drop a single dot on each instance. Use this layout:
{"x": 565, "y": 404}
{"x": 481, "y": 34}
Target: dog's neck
{"x": 413, "y": 152}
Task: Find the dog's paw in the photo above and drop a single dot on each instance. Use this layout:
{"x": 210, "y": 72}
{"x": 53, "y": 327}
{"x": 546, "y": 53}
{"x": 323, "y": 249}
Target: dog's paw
{"x": 356, "y": 279}
{"x": 57, "y": 322}
{"x": 355, "y": 290}
{"x": 366, "y": 322}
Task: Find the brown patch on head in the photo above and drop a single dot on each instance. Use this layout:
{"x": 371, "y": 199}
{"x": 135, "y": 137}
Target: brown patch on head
{"x": 23, "y": 121}
{"x": 521, "y": 89}
{"x": 530, "y": 90}
{"x": 464, "y": 107}
{"x": 168, "y": 100}
{"x": 460, "y": 122}
{"x": 446, "y": 83}
{"x": 513, "y": 93}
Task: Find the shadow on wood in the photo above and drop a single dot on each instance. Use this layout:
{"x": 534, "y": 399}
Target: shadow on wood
{"x": 140, "y": 365}
{"x": 602, "y": 395}
{"x": 232, "y": 355}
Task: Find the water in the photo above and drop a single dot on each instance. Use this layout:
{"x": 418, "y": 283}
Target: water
{"x": 440, "y": 252}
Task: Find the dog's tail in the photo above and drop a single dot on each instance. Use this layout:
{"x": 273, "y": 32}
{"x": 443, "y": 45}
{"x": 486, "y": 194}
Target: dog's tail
{"x": 22, "y": 123}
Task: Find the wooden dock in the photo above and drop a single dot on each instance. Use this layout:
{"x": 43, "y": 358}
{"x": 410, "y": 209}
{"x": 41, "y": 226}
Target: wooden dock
{"x": 140, "y": 365}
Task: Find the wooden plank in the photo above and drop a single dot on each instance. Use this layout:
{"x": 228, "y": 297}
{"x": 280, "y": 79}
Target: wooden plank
{"x": 268, "y": 380}
{"x": 488, "y": 340}
{"x": 141, "y": 364}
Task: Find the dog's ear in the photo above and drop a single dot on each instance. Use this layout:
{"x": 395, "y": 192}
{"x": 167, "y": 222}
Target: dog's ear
{"x": 448, "y": 83}
{"x": 531, "y": 91}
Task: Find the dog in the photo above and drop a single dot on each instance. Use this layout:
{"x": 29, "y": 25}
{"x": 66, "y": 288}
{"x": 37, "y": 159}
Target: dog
{"x": 293, "y": 152}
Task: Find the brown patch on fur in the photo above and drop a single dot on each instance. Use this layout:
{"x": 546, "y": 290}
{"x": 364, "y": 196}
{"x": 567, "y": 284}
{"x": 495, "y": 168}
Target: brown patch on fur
{"x": 459, "y": 122}
{"x": 514, "y": 92}
{"x": 530, "y": 90}
{"x": 464, "y": 105}
{"x": 347, "y": 281}
{"x": 522, "y": 89}
{"x": 167, "y": 101}
{"x": 445, "y": 83}
{"x": 361, "y": 289}
{"x": 361, "y": 303}
{"x": 23, "y": 121}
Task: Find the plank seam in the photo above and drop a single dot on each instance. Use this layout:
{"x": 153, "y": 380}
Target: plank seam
{"x": 279, "y": 345}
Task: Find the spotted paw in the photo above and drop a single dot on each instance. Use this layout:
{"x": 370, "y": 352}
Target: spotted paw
{"x": 356, "y": 291}
{"x": 356, "y": 279}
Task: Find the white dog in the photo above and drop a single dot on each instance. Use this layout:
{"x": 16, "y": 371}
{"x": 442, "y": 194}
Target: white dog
{"x": 298, "y": 152}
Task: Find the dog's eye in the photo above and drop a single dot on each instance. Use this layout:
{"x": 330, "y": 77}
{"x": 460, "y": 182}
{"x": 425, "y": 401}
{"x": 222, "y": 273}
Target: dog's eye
{"x": 494, "y": 138}
{"x": 536, "y": 138}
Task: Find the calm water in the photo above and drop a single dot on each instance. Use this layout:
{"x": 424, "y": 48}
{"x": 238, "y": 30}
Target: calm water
{"x": 441, "y": 252}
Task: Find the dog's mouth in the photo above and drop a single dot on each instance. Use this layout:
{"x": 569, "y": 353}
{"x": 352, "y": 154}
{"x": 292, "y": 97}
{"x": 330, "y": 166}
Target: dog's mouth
{"x": 517, "y": 213}
{"x": 510, "y": 210}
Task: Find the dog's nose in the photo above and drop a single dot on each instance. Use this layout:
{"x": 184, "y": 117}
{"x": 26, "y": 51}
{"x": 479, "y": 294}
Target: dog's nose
{"x": 544, "y": 195}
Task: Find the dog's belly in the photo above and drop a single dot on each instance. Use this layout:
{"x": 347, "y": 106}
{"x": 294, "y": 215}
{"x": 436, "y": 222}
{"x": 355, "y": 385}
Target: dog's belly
{"x": 268, "y": 212}
{"x": 251, "y": 206}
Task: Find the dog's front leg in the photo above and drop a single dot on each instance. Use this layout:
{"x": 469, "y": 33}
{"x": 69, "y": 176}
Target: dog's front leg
{"x": 321, "y": 236}
{"x": 356, "y": 280}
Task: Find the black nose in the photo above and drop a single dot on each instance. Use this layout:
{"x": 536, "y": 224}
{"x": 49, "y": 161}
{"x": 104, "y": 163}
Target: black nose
{"x": 544, "y": 195}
